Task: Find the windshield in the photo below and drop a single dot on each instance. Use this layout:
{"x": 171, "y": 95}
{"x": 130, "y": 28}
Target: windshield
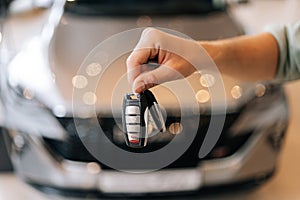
{"x": 136, "y": 7}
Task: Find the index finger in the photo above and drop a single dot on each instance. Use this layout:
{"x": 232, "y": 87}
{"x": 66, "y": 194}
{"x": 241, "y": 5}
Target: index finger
{"x": 137, "y": 59}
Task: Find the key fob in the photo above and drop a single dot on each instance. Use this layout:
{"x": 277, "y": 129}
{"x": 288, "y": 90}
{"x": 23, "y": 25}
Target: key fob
{"x": 134, "y": 126}
{"x": 135, "y": 117}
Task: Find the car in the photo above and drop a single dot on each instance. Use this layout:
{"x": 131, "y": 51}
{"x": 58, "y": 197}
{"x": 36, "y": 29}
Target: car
{"x": 65, "y": 135}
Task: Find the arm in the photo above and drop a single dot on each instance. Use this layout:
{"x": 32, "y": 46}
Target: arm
{"x": 249, "y": 58}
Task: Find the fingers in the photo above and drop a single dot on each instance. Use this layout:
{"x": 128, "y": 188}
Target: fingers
{"x": 170, "y": 51}
{"x": 144, "y": 81}
{"x": 149, "y": 79}
{"x": 135, "y": 63}
{"x": 145, "y": 50}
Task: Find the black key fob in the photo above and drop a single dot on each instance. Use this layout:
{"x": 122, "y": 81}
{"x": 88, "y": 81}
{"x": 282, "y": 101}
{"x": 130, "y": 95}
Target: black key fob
{"x": 135, "y": 117}
{"x": 134, "y": 107}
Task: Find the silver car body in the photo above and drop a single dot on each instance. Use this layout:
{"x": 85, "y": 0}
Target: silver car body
{"x": 59, "y": 41}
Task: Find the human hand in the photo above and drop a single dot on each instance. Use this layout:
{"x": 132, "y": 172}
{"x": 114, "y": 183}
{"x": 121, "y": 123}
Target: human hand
{"x": 174, "y": 56}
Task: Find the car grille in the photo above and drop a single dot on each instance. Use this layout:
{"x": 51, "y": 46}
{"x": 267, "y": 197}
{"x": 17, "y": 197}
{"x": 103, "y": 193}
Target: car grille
{"x": 73, "y": 149}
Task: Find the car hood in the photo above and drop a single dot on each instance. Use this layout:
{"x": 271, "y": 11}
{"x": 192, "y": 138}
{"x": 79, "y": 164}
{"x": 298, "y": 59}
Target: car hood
{"x": 47, "y": 64}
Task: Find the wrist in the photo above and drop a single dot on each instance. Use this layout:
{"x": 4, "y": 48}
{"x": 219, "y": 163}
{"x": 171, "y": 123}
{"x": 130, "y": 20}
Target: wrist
{"x": 214, "y": 51}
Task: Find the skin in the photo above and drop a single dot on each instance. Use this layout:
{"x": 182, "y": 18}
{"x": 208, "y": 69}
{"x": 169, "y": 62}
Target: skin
{"x": 247, "y": 58}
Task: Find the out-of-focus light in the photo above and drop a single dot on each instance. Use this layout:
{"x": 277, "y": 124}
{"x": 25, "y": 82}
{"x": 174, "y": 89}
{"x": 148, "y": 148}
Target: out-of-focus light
{"x": 93, "y": 69}
{"x": 260, "y": 90}
{"x": 19, "y": 141}
{"x": 89, "y": 98}
{"x": 93, "y": 168}
{"x": 175, "y": 128}
{"x": 79, "y": 81}
{"x": 144, "y": 21}
{"x": 202, "y": 96}
{"x": 71, "y": 0}
{"x": 64, "y": 21}
{"x": 28, "y": 94}
{"x": 59, "y": 110}
{"x": 0, "y": 37}
{"x": 236, "y": 92}
{"x": 207, "y": 80}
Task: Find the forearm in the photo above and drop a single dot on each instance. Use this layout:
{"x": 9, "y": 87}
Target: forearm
{"x": 249, "y": 58}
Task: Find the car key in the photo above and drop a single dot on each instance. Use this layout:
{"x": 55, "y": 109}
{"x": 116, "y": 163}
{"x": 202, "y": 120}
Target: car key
{"x": 136, "y": 108}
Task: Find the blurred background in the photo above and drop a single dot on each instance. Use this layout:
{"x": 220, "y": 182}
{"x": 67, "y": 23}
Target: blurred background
{"x": 252, "y": 16}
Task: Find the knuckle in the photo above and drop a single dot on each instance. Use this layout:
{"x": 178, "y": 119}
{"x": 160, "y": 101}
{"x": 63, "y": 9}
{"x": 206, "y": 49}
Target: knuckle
{"x": 150, "y": 32}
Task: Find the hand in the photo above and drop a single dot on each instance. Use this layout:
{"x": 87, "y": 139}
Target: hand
{"x": 173, "y": 55}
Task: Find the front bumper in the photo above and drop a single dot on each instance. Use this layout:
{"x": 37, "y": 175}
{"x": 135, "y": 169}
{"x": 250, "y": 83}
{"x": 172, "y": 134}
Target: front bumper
{"x": 35, "y": 163}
